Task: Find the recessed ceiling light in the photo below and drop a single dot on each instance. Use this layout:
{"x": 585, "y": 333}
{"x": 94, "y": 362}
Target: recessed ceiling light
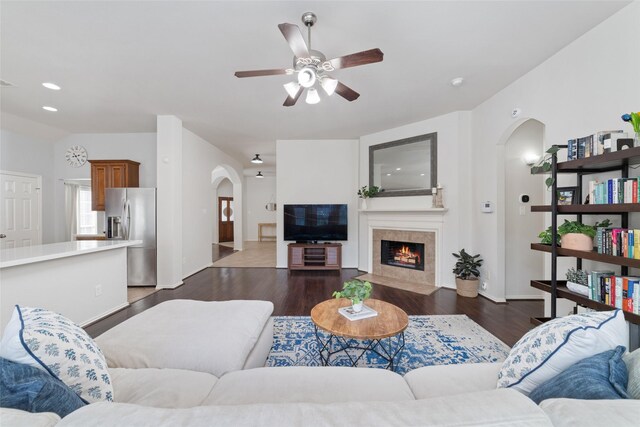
{"x": 51, "y": 86}
{"x": 421, "y": 174}
{"x": 388, "y": 174}
{"x": 457, "y": 81}
{"x": 46, "y": 107}
{"x": 398, "y": 169}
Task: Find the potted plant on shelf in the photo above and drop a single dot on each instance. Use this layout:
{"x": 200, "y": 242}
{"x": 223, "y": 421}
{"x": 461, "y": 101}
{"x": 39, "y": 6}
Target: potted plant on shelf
{"x": 574, "y": 235}
{"x": 355, "y": 290}
{"x": 365, "y": 192}
{"x": 467, "y": 273}
{"x": 577, "y": 281}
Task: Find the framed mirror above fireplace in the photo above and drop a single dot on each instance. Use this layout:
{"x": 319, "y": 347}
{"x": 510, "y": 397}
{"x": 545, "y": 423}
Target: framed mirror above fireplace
{"x": 406, "y": 167}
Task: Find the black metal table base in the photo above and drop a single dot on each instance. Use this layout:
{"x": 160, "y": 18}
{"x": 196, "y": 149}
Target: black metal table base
{"x": 389, "y": 349}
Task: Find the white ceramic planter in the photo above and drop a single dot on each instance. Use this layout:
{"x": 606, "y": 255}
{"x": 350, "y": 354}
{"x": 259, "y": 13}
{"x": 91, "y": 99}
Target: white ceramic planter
{"x": 357, "y": 307}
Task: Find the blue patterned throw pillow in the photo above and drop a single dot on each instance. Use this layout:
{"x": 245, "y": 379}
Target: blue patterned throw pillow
{"x": 603, "y": 376}
{"x": 56, "y": 345}
{"x": 549, "y": 349}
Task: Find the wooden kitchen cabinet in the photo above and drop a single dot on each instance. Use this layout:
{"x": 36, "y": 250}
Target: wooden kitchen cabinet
{"x": 111, "y": 174}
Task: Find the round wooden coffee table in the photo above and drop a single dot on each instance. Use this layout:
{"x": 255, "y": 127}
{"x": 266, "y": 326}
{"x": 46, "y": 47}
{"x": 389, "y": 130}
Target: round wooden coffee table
{"x": 382, "y": 334}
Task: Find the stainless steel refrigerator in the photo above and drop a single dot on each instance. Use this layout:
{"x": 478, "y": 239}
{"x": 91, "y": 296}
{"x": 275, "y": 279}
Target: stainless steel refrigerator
{"x": 130, "y": 214}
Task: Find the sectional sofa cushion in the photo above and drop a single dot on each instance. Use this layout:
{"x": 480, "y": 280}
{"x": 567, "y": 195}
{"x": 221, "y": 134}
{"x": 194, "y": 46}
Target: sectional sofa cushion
{"x": 33, "y": 390}
{"x": 446, "y": 380}
{"x": 53, "y": 343}
{"x": 162, "y": 388}
{"x": 549, "y": 349}
{"x": 213, "y": 337}
{"x": 19, "y": 418}
{"x": 308, "y": 384}
{"x": 632, "y": 360}
{"x": 592, "y": 413}
{"x": 490, "y": 408}
{"x": 603, "y": 376}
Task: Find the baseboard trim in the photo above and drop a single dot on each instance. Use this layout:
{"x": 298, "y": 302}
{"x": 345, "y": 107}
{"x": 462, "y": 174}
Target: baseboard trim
{"x": 198, "y": 271}
{"x": 492, "y": 298}
{"x": 175, "y": 285}
{"x": 103, "y": 315}
{"x": 525, "y": 297}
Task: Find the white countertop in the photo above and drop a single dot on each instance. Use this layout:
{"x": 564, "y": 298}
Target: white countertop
{"x": 38, "y": 253}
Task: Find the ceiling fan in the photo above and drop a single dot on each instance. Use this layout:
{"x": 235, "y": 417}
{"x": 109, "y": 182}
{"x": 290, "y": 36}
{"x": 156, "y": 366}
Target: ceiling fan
{"x": 312, "y": 67}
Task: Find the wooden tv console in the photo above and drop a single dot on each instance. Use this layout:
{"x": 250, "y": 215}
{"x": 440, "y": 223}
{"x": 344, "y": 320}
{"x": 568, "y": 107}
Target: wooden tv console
{"x": 318, "y": 256}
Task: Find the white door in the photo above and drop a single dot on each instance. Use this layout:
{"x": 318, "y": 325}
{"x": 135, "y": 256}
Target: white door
{"x": 19, "y": 211}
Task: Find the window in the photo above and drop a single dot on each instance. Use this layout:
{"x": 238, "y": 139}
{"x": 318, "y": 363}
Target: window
{"x": 87, "y": 219}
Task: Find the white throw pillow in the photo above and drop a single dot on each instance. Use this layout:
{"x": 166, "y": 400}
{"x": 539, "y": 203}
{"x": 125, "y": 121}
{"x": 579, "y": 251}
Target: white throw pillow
{"x": 549, "y": 349}
{"x": 53, "y": 343}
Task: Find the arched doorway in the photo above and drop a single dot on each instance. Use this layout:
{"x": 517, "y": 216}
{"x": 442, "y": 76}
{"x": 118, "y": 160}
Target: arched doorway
{"x": 219, "y": 176}
{"x": 518, "y": 226}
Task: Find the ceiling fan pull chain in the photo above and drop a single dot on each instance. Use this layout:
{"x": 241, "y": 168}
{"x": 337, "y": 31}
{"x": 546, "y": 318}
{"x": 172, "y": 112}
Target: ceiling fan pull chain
{"x": 309, "y": 36}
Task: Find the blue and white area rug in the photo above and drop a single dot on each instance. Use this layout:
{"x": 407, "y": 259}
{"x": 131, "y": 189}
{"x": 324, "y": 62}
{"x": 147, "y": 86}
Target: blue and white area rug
{"x": 429, "y": 340}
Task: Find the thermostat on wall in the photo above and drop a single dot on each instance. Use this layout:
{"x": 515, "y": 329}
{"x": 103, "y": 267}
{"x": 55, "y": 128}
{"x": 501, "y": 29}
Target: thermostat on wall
{"x": 487, "y": 207}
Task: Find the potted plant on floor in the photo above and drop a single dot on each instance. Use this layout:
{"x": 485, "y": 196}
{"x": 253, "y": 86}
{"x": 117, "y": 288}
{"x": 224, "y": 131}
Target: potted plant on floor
{"x": 355, "y": 290}
{"x": 467, "y": 273}
{"x": 365, "y": 192}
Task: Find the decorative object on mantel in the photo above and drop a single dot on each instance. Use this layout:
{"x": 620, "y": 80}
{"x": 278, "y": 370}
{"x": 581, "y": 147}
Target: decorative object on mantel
{"x": 436, "y": 199}
{"x": 355, "y": 290}
{"x": 467, "y": 273}
{"x": 634, "y": 119}
{"x": 365, "y": 192}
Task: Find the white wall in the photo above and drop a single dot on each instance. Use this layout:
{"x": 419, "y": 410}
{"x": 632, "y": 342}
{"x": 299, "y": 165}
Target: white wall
{"x": 139, "y": 147}
{"x": 522, "y": 225}
{"x": 258, "y": 192}
{"x": 199, "y": 200}
{"x": 318, "y": 172}
{"x": 574, "y": 93}
{"x": 21, "y": 153}
{"x": 225, "y": 189}
{"x": 453, "y": 173}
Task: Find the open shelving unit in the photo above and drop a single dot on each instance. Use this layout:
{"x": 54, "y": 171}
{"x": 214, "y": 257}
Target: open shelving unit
{"x": 616, "y": 161}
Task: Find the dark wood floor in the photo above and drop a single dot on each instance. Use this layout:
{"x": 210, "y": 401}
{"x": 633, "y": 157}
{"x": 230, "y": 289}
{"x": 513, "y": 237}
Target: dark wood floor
{"x": 295, "y": 293}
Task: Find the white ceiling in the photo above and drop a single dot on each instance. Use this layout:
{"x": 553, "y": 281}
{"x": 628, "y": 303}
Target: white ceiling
{"x": 122, "y": 63}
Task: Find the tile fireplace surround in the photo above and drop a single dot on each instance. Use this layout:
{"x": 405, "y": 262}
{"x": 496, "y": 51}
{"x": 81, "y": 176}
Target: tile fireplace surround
{"x": 415, "y": 226}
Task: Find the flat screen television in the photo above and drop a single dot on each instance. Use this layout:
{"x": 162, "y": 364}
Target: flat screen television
{"x": 308, "y": 223}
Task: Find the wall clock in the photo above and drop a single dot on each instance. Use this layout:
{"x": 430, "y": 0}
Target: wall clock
{"x": 76, "y": 156}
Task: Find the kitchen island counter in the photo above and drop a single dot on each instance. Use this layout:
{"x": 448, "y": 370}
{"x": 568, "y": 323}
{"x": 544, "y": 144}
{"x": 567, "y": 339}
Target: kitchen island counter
{"x": 82, "y": 280}
{"x": 38, "y": 253}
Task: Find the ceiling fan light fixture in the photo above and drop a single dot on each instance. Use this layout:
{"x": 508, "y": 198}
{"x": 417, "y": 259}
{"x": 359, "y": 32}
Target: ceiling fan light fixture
{"x": 256, "y": 159}
{"x": 329, "y": 85}
{"x": 259, "y": 175}
{"x": 312, "y": 96}
{"x": 307, "y": 77}
{"x": 292, "y": 88}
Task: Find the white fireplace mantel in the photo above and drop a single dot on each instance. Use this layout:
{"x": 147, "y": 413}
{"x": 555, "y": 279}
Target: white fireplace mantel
{"x": 428, "y": 211}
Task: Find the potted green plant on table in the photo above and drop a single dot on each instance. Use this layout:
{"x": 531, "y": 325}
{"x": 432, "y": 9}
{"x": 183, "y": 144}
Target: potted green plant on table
{"x": 357, "y": 291}
{"x": 365, "y": 192}
{"x": 574, "y": 235}
{"x": 467, "y": 273}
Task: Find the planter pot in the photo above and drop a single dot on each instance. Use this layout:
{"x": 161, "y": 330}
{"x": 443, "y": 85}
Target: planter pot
{"x": 357, "y": 307}
{"x": 467, "y": 288}
{"x": 363, "y": 205}
{"x": 577, "y": 241}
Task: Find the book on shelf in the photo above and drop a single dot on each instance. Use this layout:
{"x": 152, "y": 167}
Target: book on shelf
{"x": 614, "y": 191}
{"x": 621, "y": 292}
{"x": 622, "y": 242}
{"x": 594, "y": 145}
{"x": 351, "y": 314}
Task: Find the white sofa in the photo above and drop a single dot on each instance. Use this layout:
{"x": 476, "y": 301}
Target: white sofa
{"x": 185, "y": 390}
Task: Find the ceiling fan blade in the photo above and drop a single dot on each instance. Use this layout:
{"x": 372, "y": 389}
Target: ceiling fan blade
{"x": 355, "y": 59}
{"x": 346, "y": 92}
{"x": 258, "y": 73}
{"x": 294, "y": 38}
{"x": 289, "y": 102}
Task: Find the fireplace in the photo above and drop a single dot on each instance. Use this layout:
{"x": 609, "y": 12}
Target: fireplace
{"x": 402, "y": 254}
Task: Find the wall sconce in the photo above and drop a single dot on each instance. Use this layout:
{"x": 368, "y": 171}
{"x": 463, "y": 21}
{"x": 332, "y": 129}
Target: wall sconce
{"x": 530, "y": 159}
